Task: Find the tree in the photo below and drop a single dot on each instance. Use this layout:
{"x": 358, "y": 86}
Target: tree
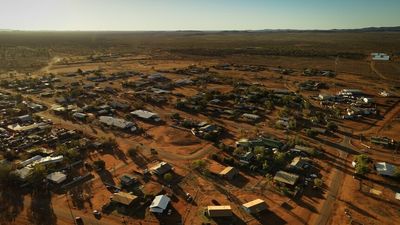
{"x": 311, "y": 133}
{"x": 38, "y": 174}
{"x": 132, "y": 151}
{"x": 199, "y": 165}
{"x": 168, "y": 177}
{"x": 362, "y": 164}
{"x": 332, "y": 126}
{"x": 318, "y": 183}
{"x": 99, "y": 165}
{"x": 7, "y": 177}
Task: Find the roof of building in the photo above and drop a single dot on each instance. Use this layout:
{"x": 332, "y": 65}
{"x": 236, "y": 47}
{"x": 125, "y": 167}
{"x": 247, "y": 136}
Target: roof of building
{"x": 219, "y": 207}
{"x": 219, "y": 210}
{"x": 116, "y": 122}
{"x": 256, "y": 205}
{"x": 384, "y": 168}
{"x": 228, "y": 170}
{"x": 285, "y": 177}
{"x": 161, "y": 168}
{"x": 144, "y": 114}
{"x": 159, "y": 203}
{"x": 123, "y": 198}
{"x": 57, "y": 177}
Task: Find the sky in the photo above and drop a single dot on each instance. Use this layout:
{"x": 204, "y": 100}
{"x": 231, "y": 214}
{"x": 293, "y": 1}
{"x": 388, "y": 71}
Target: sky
{"x": 130, "y": 15}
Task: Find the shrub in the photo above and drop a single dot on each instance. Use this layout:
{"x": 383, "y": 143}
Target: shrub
{"x": 99, "y": 165}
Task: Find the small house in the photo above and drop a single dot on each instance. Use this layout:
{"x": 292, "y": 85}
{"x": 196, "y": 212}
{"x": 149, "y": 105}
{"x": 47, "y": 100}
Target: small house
{"x": 385, "y": 169}
{"x": 56, "y": 177}
{"x": 159, "y": 204}
{"x": 219, "y": 211}
{"x": 161, "y": 168}
{"x": 146, "y": 115}
{"x": 286, "y": 178}
{"x": 124, "y": 198}
{"x": 127, "y": 180}
{"x": 229, "y": 172}
{"x": 255, "y": 206}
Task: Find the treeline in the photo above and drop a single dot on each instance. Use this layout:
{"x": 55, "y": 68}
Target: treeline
{"x": 269, "y": 52}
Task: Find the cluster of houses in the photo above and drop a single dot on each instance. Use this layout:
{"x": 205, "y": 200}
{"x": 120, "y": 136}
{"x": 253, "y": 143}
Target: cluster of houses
{"x": 253, "y": 207}
{"x": 27, "y": 141}
{"x": 238, "y": 67}
{"x": 359, "y": 104}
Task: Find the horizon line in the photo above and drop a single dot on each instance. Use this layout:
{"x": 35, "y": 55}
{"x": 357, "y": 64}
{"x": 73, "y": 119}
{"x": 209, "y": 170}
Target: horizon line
{"x": 199, "y": 30}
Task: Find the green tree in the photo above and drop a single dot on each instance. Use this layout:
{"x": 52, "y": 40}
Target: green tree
{"x": 332, "y": 126}
{"x": 37, "y": 175}
{"x": 362, "y": 164}
{"x": 318, "y": 183}
{"x": 168, "y": 177}
{"x": 99, "y": 165}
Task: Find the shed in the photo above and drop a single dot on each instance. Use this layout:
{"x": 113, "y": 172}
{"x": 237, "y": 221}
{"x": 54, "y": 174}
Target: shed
{"x": 219, "y": 211}
{"x": 159, "y": 204}
{"x": 255, "y": 206}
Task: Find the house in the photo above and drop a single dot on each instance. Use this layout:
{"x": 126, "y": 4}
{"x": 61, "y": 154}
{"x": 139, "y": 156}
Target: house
{"x": 31, "y": 160}
{"x": 124, "y": 198}
{"x": 24, "y": 172}
{"x": 56, "y": 177}
{"x": 127, "y": 180}
{"x": 219, "y": 211}
{"x": 118, "y": 123}
{"x": 229, "y": 172}
{"x": 305, "y": 149}
{"x": 286, "y": 178}
{"x": 159, "y": 204}
{"x": 161, "y": 168}
{"x": 385, "y": 169}
{"x": 368, "y": 100}
{"x": 351, "y": 92}
{"x": 251, "y": 117}
{"x": 80, "y": 116}
{"x": 255, "y": 206}
{"x": 24, "y": 118}
{"x": 380, "y": 57}
{"x": 325, "y": 97}
{"x": 146, "y": 115}
{"x": 299, "y": 163}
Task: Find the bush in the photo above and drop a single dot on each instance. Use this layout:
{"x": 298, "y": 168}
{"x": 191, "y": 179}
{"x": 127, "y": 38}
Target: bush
{"x": 132, "y": 151}
{"x": 168, "y": 177}
{"x": 318, "y": 183}
{"x": 362, "y": 164}
{"x": 99, "y": 165}
{"x": 332, "y": 126}
{"x": 311, "y": 133}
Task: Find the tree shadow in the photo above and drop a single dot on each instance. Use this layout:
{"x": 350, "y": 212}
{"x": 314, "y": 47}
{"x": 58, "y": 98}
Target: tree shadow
{"x": 41, "y": 210}
{"x": 11, "y": 204}
{"x": 269, "y": 217}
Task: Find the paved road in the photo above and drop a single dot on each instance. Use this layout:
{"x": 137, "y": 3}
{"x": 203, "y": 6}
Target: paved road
{"x": 334, "y": 188}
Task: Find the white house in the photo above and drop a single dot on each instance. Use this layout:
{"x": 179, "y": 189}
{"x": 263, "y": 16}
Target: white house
{"x": 159, "y": 204}
{"x": 385, "y": 169}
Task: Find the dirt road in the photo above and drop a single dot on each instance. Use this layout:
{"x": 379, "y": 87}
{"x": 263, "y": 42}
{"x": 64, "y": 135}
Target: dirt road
{"x": 337, "y": 181}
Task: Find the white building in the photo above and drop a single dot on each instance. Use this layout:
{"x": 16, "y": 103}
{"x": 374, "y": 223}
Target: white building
{"x": 380, "y": 56}
{"x": 159, "y": 204}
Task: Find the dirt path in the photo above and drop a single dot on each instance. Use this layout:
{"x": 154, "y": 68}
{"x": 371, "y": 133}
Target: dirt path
{"x": 381, "y": 75}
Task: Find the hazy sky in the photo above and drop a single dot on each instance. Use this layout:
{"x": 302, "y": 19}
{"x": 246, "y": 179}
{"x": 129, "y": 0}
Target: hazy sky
{"x": 196, "y": 14}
